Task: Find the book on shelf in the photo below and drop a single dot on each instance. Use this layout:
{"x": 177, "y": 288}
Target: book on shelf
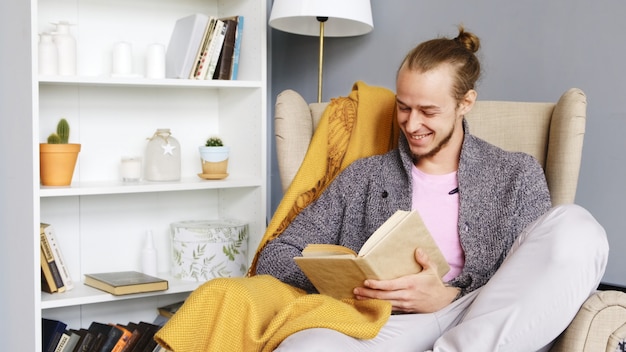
{"x": 63, "y": 340}
{"x": 210, "y": 51}
{"x": 215, "y": 48}
{"x": 202, "y": 49}
{"x": 389, "y": 253}
{"x": 49, "y": 268}
{"x": 114, "y": 337}
{"x": 184, "y": 45}
{"x": 146, "y": 336}
{"x": 49, "y": 231}
{"x": 47, "y": 279}
{"x": 85, "y": 342}
{"x": 225, "y": 60}
{"x": 51, "y": 332}
{"x": 125, "y": 282}
{"x": 169, "y": 310}
{"x": 72, "y": 342}
{"x": 234, "y": 69}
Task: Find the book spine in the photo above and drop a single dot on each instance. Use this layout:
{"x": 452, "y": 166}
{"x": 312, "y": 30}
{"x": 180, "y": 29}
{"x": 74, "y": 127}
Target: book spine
{"x": 47, "y": 280}
{"x": 220, "y": 32}
{"x": 58, "y": 281}
{"x": 58, "y": 257}
{"x": 236, "y": 51}
{"x": 224, "y": 63}
{"x": 62, "y": 342}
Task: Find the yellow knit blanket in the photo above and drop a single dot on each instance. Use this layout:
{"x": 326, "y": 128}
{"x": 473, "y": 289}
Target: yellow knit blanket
{"x": 256, "y": 313}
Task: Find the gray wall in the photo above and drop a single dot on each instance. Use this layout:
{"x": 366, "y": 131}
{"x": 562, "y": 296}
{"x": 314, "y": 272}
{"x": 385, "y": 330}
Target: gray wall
{"x": 531, "y": 50}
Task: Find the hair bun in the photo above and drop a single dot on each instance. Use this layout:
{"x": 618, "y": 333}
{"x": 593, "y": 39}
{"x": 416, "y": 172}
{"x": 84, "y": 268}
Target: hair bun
{"x": 467, "y": 40}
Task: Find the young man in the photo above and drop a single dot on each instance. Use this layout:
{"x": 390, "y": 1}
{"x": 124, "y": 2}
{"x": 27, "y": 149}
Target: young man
{"x": 520, "y": 269}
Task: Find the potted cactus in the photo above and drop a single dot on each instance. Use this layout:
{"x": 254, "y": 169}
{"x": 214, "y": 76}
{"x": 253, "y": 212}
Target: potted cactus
{"x": 214, "y": 159}
{"x": 57, "y": 157}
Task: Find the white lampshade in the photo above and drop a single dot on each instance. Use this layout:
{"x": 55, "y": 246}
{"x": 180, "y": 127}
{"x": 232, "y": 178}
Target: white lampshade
{"x": 346, "y": 18}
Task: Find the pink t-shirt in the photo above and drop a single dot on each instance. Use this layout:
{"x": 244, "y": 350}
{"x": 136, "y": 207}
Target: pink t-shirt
{"x": 436, "y": 198}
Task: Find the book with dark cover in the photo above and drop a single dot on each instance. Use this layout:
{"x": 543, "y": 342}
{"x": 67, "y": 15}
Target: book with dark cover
{"x": 110, "y": 333}
{"x": 51, "y": 263}
{"x": 224, "y": 63}
{"x": 389, "y": 253}
{"x": 146, "y": 331}
{"x": 62, "y": 344}
{"x": 47, "y": 279}
{"x": 85, "y": 342}
{"x": 49, "y": 231}
{"x": 51, "y": 332}
{"x": 125, "y": 282}
{"x": 234, "y": 70}
{"x": 169, "y": 310}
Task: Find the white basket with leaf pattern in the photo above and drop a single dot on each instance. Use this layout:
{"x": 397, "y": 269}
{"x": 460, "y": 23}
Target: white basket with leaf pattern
{"x": 206, "y": 249}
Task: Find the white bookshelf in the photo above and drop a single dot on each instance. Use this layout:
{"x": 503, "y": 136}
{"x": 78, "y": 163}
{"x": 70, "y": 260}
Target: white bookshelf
{"x": 101, "y": 221}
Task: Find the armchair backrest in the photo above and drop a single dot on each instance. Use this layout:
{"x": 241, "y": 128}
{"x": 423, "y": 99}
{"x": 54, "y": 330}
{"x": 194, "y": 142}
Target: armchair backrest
{"x": 551, "y": 132}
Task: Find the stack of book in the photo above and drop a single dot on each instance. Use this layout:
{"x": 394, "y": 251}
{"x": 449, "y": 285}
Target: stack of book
{"x": 204, "y": 47}
{"x": 131, "y": 337}
{"x": 55, "y": 276}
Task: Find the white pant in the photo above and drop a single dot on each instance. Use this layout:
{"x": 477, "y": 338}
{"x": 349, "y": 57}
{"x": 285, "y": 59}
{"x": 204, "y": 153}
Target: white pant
{"x": 556, "y": 263}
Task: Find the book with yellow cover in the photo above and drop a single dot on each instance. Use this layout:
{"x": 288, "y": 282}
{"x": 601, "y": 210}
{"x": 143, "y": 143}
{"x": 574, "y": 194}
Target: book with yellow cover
{"x": 389, "y": 253}
{"x": 125, "y": 282}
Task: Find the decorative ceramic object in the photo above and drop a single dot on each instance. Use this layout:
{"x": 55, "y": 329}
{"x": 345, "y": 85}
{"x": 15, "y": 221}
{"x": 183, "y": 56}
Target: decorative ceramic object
{"x": 66, "y": 49}
{"x": 203, "y": 250}
{"x": 57, "y": 158}
{"x": 214, "y": 159}
{"x": 48, "y": 55}
{"x": 162, "y": 158}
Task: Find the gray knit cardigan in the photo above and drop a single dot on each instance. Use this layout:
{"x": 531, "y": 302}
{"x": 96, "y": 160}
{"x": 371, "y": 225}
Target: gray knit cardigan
{"x": 500, "y": 194}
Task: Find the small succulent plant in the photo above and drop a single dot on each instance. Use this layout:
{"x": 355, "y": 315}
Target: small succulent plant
{"x": 62, "y": 135}
{"x": 214, "y": 142}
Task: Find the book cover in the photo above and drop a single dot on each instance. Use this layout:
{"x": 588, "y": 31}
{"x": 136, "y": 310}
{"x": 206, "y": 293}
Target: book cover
{"x": 51, "y": 263}
{"x": 47, "y": 280}
{"x": 86, "y": 340}
{"x": 213, "y": 45}
{"x": 72, "y": 342}
{"x": 389, "y": 253}
{"x": 224, "y": 62}
{"x": 134, "y": 338}
{"x": 125, "y": 282}
{"x": 216, "y": 48}
{"x": 111, "y": 335}
{"x": 169, "y": 310}
{"x": 61, "y": 345}
{"x": 123, "y": 340}
{"x": 234, "y": 70}
{"x": 51, "y": 332}
{"x": 147, "y": 331}
{"x": 183, "y": 46}
{"x": 202, "y": 50}
{"x": 55, "y": 247}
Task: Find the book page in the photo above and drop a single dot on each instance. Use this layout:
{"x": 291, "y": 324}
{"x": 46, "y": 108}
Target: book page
{"x": 319, "y": 250}
{"x": 384, "y": 229}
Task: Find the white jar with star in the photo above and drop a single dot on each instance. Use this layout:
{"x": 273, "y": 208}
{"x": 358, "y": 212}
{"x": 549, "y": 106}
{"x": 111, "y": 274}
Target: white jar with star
{"x": 162, "y": 157}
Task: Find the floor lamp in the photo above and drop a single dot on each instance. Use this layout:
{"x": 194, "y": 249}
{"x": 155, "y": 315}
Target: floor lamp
{"x": 326, "y": 18}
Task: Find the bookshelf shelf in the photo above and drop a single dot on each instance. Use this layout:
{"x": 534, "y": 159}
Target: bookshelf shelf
{"x": 146, "y": 82}
{"x": 119, "y": 187}
{"x": 82, "y": 294}
{"x": 100, "y": 221}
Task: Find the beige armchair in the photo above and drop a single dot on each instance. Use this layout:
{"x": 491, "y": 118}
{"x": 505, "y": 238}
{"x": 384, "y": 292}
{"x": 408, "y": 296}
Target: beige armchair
{"x": 551, "y": 132}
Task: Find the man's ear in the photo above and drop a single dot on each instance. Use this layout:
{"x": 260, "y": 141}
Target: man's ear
{"x": 468, "y": 102}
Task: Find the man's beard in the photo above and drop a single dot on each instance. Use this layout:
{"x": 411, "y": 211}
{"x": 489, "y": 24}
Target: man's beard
{"x": 436, "y": 149}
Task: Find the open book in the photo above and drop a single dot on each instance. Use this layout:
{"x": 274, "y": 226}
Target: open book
{"x": 389, "y": 253}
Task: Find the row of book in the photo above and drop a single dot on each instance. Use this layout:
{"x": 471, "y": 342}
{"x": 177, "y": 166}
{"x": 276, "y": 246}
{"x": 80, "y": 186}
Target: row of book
{"x": 100, "y": 337}
{"x": 205, "y": 47}
{"x": 55, "y": 275}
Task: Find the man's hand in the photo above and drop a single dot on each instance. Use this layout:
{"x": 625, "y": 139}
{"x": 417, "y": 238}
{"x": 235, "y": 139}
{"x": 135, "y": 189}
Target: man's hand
{"x": 418, "y": 293}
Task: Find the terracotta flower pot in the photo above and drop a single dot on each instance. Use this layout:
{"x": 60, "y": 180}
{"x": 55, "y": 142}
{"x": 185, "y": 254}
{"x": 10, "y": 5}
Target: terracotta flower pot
{"x": 56, "y": 163}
